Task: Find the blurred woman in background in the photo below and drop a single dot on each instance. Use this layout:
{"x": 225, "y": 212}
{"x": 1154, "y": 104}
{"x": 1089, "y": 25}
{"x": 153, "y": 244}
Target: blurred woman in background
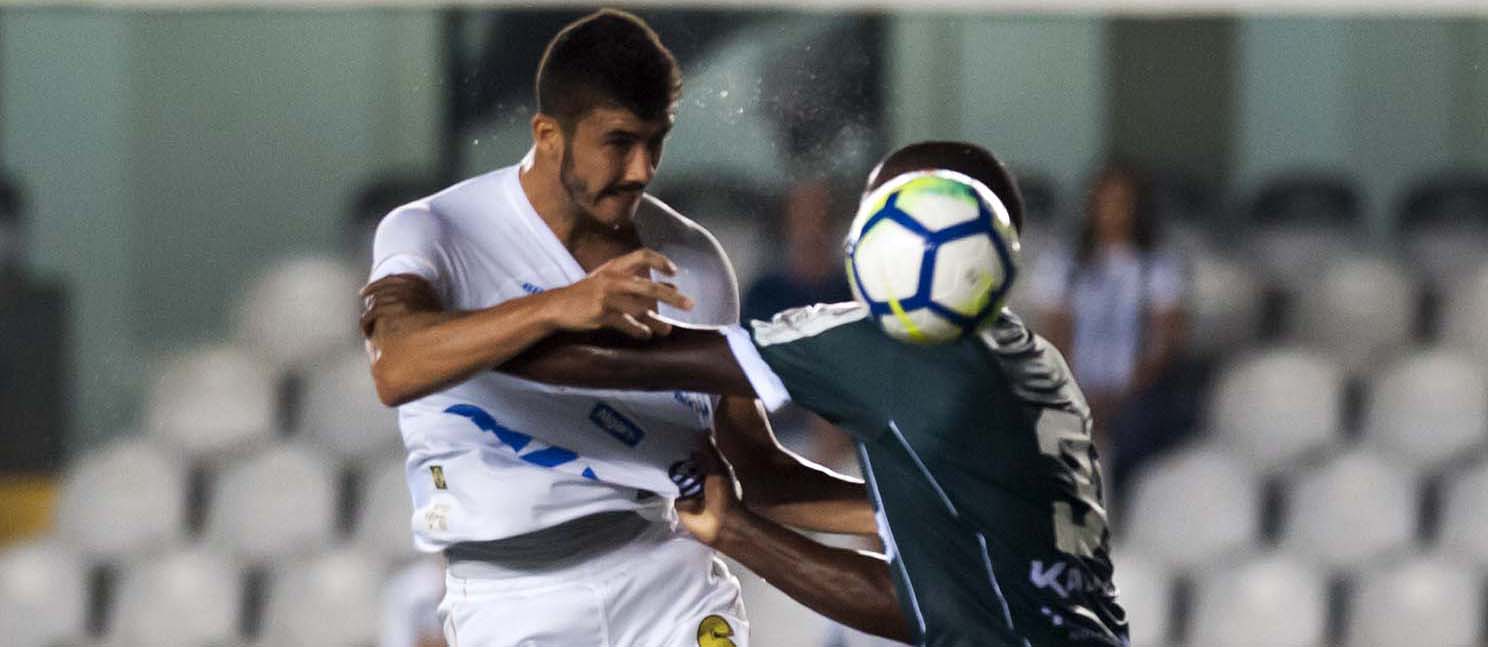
{"x": 1113, "y": 304}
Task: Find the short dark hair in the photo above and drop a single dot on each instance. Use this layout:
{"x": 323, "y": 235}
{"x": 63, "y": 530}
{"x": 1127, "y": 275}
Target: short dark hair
{"x": 965, "y": 158}
{"x": 608, "y": 58}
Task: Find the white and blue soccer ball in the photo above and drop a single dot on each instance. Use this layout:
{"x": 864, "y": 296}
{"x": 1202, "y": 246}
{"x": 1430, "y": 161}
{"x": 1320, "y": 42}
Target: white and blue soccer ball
{"x": 932, "y": 254}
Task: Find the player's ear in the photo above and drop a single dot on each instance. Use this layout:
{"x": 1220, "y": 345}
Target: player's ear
{"x": 547, "y": 134}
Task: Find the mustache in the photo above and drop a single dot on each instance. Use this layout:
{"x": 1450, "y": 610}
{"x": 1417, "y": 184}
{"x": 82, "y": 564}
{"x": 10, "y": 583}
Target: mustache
{"x": 632, "y": 187}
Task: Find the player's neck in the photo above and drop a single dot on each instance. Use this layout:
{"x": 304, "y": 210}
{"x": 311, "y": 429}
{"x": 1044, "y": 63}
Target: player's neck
{"x": 545, "y": 193}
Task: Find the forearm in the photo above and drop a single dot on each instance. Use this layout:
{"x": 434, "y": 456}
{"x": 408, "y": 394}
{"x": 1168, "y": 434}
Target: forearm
{"x": 688, "y": 360}
{"x": 850, "y": 587}
{"x": 421, "y": 353}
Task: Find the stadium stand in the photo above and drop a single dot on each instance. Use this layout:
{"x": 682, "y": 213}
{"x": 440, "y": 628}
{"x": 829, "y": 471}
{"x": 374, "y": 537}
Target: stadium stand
{"x": 1145, "y": 589}
{"x": 333, "y": 599}
{"x": 383, "y": 520}
{"x": 1443, "y": 223}
{"x": 1225, "y": 304}
{"x": 301, "y": 311}
{"x": 1464, "y": 519}
{"x": 1464, "y": 310}
{"x": 340, "y": 411}
{"x": 1299, "y": 221}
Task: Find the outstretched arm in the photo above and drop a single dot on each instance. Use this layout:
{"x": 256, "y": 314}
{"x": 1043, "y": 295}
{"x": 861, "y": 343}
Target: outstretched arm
{"x": 419, "y": 346}
{"x": 848, "y": 586}
{"x": 783, "y": 486}
{"x": 687, "y": 359}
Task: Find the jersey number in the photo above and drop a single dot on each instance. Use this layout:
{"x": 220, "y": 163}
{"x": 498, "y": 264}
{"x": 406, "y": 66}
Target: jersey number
{"x": 1062, "y": 436}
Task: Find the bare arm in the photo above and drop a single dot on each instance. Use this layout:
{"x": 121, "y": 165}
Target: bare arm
{"x": 851, "y": 587}
{"x": 686, "y": 359}
{"x": 418, "y": 346}
{"x": 783, "y": 486}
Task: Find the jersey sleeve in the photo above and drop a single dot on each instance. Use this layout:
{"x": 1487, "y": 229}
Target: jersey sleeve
{"x": 819, "y": 357}
{"x": 410, "y": 241}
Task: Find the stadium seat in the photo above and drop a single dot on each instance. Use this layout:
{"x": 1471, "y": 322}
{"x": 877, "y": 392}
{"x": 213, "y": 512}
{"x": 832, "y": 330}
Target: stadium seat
{"x": 1464, "y": 310}
{"x": 186, "y": 599}
{"x": 1428, "y": 408}
{"x": 212, "y": 402}
{"x": 1275, "y": 406}
{"x": 332, "y": 599}
{"x": 1272, "y": 600}
{"x": 1299, "y": 221}
{"x": 1423, "y": 601}
{"x": 43, "y": 595}
{"x": 1357, "y": 508}
{"x": 1360, "y": 311}
{"x": 300, "y": 311}
{"x": 280, "y": 503}
{"x": 341, "y": 412}
{"x": 1224, "y": 305}
{"x": 1194, "y": 507}
{"x": 1144, "y": 589}
{"x": 1444, "y": 223}
{"x": 125, "y": 500}
{"x": 384, "y": 527}
{"x": 1464, "y": 516}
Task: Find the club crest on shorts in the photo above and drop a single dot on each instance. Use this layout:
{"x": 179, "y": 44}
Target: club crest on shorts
{"x": 437, "y": 472}
{"x": 715, "y": 631}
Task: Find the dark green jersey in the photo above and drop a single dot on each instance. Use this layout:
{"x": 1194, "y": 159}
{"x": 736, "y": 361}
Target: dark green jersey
{"x": 980, "y": 459}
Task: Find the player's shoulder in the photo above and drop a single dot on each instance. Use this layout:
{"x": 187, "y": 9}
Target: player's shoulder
{"x": 434, "y": 216}
{"x": 806, "y": 322}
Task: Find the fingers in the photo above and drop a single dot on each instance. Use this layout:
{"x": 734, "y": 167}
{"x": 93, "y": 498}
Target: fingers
{"x": 642, "y": 259}
{"x": 627, "y": 324}
{"x": 658, "y": 327}
{"x": 654, "y": 291}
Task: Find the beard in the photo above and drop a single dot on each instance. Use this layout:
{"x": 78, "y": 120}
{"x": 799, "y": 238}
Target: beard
{"x": 579, "y": 193}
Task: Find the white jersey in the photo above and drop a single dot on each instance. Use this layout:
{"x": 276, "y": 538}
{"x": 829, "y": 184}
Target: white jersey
{"x": 496, "y": 456}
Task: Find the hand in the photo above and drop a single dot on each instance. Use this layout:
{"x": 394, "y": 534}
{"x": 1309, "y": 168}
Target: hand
{"x": 704, "y": 515}
{"x": 620, "y": 296}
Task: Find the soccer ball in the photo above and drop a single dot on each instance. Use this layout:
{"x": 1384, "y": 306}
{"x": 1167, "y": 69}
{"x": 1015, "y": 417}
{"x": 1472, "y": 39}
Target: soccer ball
{"x": 932, "y": 255}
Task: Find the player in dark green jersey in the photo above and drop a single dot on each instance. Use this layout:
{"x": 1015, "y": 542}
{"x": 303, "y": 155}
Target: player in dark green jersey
{"x": 977, "y": 452}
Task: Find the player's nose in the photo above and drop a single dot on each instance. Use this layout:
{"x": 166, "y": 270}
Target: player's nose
{"x": 640, "y": 167}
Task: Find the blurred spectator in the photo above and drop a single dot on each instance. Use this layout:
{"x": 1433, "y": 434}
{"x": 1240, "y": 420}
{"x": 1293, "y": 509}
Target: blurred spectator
{"x": 1114, "y": 304}
{"x": 811, "y": 270}
{"x": 33, "y": 314}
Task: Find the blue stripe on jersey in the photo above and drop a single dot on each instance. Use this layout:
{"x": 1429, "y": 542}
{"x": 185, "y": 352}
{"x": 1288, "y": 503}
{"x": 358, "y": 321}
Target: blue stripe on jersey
{"x": 551, "y": 456}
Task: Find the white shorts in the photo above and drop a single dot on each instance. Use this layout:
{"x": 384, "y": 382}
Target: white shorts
{"x": 661, "y": 589}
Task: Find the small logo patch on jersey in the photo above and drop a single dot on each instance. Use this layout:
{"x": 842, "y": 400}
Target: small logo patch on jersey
{"x": 437, "y": 472}
{"x": 714, "y": 631}
{"x": 688, "y": 478}
{"x": 616, "y": 424}
{"x": 530, "y": 288}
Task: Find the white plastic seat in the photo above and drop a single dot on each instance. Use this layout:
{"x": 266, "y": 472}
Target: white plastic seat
{"x": 1464, "y": 310}
{"x": 342, "y": 414}
{"x": 185, "y": 599}
{"x": 1464, "y": 516}
{"x": 43, "y": 595}
{"x": 384, "y": 527}
{"x": 332, "y": 599}
{"x": 1447, "y": 254}
{"x": 125, "y": 500}
{"x": 1357, "y": 508}
{"x": 1273, "y": 600}
{"x": 1276, "y": 406}
{"x": 300, "y": 311}
{"x": 1360, "y": 311}
{"x": 280, "y": 503}
{"x": 1194, "y": 507}
{"x": 1144, "y": 589}
{"x": 1428, "y": 408}
{"x": 410, "y": 603}
{"x": 1283, "y": 253}
{"x": 1224, "y": 304}
{"x": 213, "y": 401}
{"x": 1424, "y": 601}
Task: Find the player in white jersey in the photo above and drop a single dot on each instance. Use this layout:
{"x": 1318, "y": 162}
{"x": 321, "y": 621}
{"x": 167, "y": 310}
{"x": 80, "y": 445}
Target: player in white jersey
{"x": 552, "y": 505}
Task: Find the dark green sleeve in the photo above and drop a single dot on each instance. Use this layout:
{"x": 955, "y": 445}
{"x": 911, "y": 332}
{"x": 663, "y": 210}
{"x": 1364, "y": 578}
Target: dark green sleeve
{"x": 824, "y": 358}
